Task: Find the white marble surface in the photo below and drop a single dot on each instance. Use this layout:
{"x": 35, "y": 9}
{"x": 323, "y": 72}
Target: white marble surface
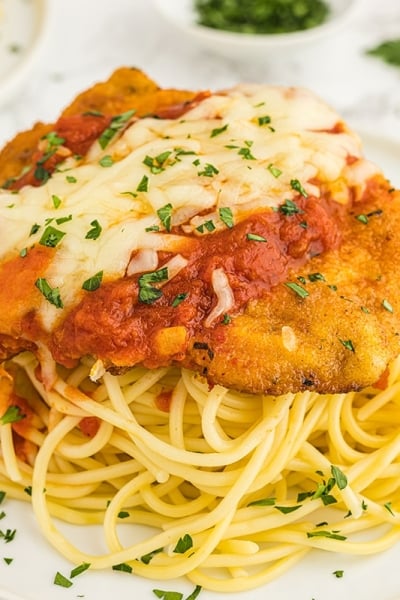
{"x": 86, "y": 39}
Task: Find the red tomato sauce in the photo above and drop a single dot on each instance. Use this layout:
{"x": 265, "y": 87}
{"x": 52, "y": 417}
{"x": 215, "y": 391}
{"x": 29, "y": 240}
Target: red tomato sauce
{"x": 113, "y": 324}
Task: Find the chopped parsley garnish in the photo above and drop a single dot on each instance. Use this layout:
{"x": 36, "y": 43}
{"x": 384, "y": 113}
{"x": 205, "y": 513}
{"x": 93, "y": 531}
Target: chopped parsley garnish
{"x": 71, "y": 179}
{"x": 122, "y": 567}
{"x": 265, "y": 120}
{"x": 245, "y": 152}
{"x": 8, "y": 561}
{"x": 208, "y": 171}
{"x": 23, "y": 252}
{"x": 116, "y": 124}
{"x": 274, "y": 171}
{"x": 218, "y": 130}
{"x": 289, "y": 208}
{"x": 362, "y": 218}
{"x": 79, "y": 569}
{"x": 388, "y": 506}
{"x": 263, "y": 502}
{"x": 95, "y": 232}
{"x": 147, "y": 558}
{"x": 297, "y": 289}
{"x": 93, "y": 283}
{"x": 226, "y": 216}
{"x": 13, "y": 414}
{"x": 328, "y": 534}
{"x": 313, "y": 277}
{"x": 296, "y": 185}
{"x": 226, "y": 319}
{"x": 171, "y": 595}
{"x": 2, "y": 496}
{"x": 51, "y": 237}
{"x": 61, "y": 580}
{"x": 339, "y": 477}
{"x": 184, "y": 544}
{"x": 147, "y": 292}
{"x": 51, "y": 294}
{"x": 288, "y": 509}
{"x": 389, "y": 51}
{"x": 152, "y": 228}
{"x": 53, "y": 139}
{"x": 207, "y": 225}
{"x": 56, "y": 200}
{"x": 338, "y": 574}
{"x": 348, "y": 344}
{"x": 166, "y": 595}
{"x": 42, "y": 174}
{"x": 195, "y": 593}
{"x": 143, "y": 185}
{"x": 178, "y": 299}
{"x": 62, "y": 220}
{"x": 106, "y": 161}
{"x": 8, "y": 535}
{"x": 34, "y": 229}
{"x": 28, "y": 490}
{"x": 164, "y": 214}
{"x": 156, "y": 164}
{"x": 123, "y": 514}
{"x": 254, "y": 237}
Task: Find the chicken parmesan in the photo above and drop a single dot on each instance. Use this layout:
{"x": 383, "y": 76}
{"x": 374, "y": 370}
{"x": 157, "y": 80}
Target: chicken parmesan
{"x": 241, "y": 234}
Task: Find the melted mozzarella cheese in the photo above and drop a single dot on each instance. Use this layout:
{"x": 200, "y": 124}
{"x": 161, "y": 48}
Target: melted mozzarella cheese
{"x": 240, "y": 149}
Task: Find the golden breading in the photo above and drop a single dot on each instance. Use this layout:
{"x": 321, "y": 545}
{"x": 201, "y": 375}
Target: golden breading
{"x": 336, "y": 329}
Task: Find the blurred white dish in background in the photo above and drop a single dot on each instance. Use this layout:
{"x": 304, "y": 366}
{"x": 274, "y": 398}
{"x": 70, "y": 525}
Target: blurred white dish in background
{"x": 182, "y": 15}
{"x": 22, "y": 28}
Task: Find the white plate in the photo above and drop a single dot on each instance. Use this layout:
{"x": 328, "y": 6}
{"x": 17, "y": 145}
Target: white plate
{"x": 22, "y": 27}
{"x": 31, "y": 573}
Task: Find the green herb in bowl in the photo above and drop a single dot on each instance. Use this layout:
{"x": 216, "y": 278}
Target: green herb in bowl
{"x": 261, "y": 16}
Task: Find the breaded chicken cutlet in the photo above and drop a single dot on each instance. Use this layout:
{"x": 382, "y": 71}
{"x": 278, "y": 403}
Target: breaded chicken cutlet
{"x": 241, "y": 234}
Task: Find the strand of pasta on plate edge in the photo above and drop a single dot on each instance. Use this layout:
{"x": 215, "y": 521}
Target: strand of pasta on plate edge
{"x": 199, "y": 331}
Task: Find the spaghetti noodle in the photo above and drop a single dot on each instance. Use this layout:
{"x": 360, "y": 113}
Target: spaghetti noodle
{"x": 230, "y": 486}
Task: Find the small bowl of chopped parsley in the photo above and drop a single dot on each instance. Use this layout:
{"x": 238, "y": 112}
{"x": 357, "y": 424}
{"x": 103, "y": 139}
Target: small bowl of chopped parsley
{"x": 256, "y": 28}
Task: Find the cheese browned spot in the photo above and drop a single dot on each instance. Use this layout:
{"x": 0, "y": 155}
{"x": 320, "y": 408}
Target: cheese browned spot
{"x": 172, "y": 241}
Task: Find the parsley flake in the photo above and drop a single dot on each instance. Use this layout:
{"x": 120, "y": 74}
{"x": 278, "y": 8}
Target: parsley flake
{"x": 164, "y": 214}
{"x": 289, "y": 208}
{"x": 208, "y": 171}
{"x": 61, "y": 580}
{"x": 184, "y": 544}
{"x": 106, "y": 161}
{"x": 122, "y": 567}
{"x": 296, "y": 185}
{"x": 254, "y": 237}
{"x": 115, "y": 125}
{"x": 218, "y": 130}
{"x": 348, "y": 344}
{"x": 178, "y": 299}
{"x": 95, "y": 232}
{"x": 265, "y": 120}
{"x": 51, "y": 237}
{"x": 51, "y": 294}
{"x": 297, "y": 289}
{"x": 147, "y": 292}
{"x": 93, "y": 283}
{"x": 274, "y": 171}
{"x": 79, "y": 569}
{"x": 13, "y": 414}
{"x": 226, "y": 216}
